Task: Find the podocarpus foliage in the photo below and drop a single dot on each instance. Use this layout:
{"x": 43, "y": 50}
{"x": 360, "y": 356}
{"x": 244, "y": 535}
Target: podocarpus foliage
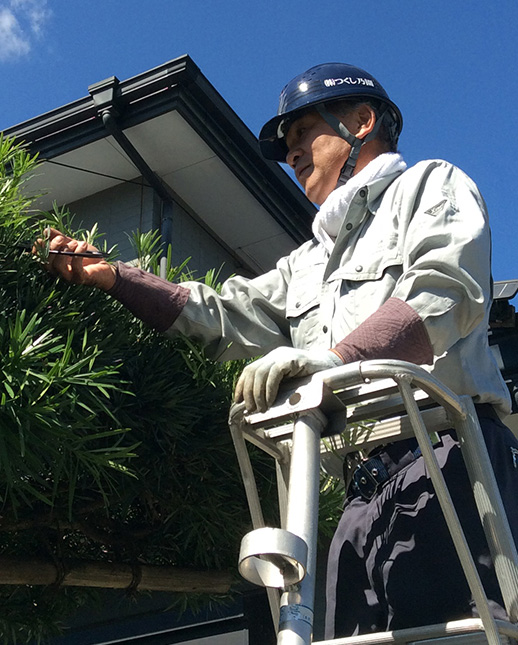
{"x": 114, "y": 443}
{"x": 113, "y": 440}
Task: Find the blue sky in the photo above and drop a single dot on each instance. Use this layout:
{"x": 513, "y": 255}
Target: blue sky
{"x": 449, "y": 65}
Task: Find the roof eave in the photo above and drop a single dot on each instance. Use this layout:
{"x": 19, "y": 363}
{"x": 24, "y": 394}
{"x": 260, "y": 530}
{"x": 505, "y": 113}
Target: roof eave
{"x": 177, "y": 85}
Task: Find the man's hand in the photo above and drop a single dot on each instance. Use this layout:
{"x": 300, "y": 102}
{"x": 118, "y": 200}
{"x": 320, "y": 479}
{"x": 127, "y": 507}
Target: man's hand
{"x": 94, "y": 272}
{"x": 259, "y": 382}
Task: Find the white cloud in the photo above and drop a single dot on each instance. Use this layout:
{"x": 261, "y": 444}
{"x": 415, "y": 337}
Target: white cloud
{"x": 13, "y": 42}
{"x": 21, "y": 21}
{"x": 34, "y": 11}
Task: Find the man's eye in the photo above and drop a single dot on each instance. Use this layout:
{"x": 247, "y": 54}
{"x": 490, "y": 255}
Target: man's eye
{"x": 296, "y": 134}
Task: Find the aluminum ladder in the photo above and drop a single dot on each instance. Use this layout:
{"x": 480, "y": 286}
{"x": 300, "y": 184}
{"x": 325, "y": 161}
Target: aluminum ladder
{"x": 406, "y": 400}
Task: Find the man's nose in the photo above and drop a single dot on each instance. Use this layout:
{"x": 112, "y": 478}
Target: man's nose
{"x": 293, "y": 156}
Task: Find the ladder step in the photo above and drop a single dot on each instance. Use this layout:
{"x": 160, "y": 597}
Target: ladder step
{"x": 458, "y": 632}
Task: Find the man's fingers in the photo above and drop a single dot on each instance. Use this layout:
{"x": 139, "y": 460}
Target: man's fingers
{"x": 238, "y": 392}
{"x": 272, "y": 383}
{"x": 57, "y": 242}
{"x": 258, "y": 385}
{"x": 258, "y": 393}
{"x": 60, "y": 265}
{"x": 244, "y": 389}
{"x": 76, "y": 264}
{"x": 67, "y": 266}
{"x": 266, "y": 378}
{"x": 52, "y": 233}
{"x": 247, "y": 381}
{"x": 60, "y": 242}
{"x": 248, "y": 387}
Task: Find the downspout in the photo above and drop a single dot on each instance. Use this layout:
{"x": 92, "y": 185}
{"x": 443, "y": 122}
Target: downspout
{"x": 104, "y": 96}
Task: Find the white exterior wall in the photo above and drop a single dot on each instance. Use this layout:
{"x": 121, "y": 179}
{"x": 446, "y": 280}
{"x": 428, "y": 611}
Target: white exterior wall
{"x": 128, "y": 207}
{"x": 117, "y": 211}
{"x": 190, "y": 240}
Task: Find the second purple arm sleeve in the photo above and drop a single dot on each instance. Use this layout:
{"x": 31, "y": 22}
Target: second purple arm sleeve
{"x": 395, "y": 331}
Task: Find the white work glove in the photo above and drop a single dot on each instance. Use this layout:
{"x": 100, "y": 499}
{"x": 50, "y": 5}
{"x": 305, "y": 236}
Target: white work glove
{"x": 259, "y": 382}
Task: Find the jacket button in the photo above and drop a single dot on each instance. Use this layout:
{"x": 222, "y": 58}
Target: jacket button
{"x": 348, "y": 226}
{"x": 325, "y": 329}
{"x": 359, "y": 268}
{"x": 363, "y": 193}
{"x": 297, "y": 305}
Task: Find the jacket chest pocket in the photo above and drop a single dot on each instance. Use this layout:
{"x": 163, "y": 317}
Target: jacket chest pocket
{"x": 371, "y": 262}
{"x": 303, "y": 306}
{"x": 304, "y": 291}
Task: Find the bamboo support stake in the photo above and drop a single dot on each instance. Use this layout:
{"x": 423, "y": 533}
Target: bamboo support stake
{"x": 18, "y": 571}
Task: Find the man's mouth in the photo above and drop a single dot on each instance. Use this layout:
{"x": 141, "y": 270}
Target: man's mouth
{"x": 303, "y": 172}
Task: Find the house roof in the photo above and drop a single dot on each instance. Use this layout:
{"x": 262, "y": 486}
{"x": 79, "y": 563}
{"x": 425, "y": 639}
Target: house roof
{"x": 191, "y": 139}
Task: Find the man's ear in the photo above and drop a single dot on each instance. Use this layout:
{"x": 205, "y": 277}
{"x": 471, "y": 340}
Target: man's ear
{"x": 364, "y": 120}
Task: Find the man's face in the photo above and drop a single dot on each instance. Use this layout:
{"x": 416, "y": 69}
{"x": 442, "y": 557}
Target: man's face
{"x": 317, "y": 154}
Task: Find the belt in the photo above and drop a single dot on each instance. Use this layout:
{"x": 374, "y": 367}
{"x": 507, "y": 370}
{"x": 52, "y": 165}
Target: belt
{"x": 371, "y": 473}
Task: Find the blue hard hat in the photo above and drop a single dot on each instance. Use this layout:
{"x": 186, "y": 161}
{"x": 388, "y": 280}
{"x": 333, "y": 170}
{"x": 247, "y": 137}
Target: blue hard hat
{"x": 320, "y": 84}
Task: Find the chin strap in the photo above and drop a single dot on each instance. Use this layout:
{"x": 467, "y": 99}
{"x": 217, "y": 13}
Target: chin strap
{"x": 356, "y": 143}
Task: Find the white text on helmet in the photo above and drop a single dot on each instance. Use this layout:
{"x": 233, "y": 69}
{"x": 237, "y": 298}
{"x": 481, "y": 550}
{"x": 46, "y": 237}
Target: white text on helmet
{"x": 348, "y": 80}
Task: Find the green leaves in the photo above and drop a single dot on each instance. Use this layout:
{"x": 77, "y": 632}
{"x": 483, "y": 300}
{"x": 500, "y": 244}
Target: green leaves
{"x": 15, "y": 166}
{"x": 113, "y": 440}
{"x": 54, "y": 390}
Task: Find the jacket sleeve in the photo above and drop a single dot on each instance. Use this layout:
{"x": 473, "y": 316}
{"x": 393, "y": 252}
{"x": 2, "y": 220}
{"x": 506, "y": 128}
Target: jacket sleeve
{"x": 446, "y": 252}
{"x": 246, "y": 319}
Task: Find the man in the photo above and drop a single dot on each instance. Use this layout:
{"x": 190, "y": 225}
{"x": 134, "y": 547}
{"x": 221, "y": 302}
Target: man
{"x": 399, "y": 268}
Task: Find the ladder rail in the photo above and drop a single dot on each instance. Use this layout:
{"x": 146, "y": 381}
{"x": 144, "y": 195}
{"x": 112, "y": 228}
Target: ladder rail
{"x": 326, "y": 393}
{"x": 491, "y": 509}
{"x": 254, "y": 504}
{"x": 448, "y": 510}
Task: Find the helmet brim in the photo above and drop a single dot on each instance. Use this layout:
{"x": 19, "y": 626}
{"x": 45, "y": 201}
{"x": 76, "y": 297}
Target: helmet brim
{"x": 273, "y": 146}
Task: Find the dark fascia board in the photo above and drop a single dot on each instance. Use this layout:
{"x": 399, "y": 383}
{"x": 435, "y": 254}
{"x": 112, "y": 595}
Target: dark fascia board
{"x": 77, "y": 123}
{"x": 177, "y": 85}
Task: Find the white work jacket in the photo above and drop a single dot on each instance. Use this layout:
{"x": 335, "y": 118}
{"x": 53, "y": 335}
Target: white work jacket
{"x": 421, "y": 236}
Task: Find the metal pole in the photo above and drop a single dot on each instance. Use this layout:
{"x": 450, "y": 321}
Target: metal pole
{"x": 297, "y": 602}
{"x": 448, "y": 509}
{"x": 254, "y": 504}
{"x": 166, "y": 233}
{"x": 490, "y": 507}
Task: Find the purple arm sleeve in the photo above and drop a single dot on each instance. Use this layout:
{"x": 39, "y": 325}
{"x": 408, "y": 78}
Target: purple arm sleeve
{"x": 156, "y": 302}
{"x": 395, "y": 331}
